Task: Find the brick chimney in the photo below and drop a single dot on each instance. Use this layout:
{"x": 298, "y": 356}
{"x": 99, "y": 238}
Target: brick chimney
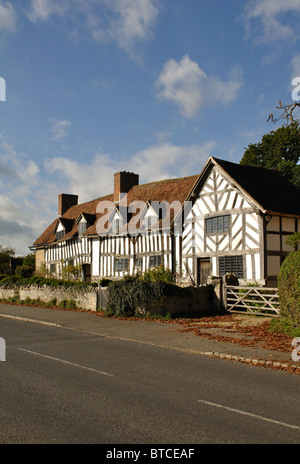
{"x": 123, "y": 182}
{"x": 65, "y": 201}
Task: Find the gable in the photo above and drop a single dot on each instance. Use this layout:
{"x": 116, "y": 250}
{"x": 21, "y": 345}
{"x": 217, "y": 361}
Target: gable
{"x": 218, "y": 194}
{"x": 222, "y": 217}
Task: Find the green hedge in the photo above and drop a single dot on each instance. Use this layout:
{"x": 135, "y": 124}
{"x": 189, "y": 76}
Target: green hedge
{"x": 16, "y": 280}
{"x": 289, "y": 289}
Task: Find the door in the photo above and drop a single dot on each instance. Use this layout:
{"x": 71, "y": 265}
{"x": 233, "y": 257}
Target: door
{"x": 86, "y": 272}
{"x": 203, "y": 270}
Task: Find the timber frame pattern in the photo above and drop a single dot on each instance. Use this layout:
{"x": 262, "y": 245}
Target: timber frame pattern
{"x": 237, "y": 221}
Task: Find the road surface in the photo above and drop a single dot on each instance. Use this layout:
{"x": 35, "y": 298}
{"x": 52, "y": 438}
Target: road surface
{"x": 63, "y": 386}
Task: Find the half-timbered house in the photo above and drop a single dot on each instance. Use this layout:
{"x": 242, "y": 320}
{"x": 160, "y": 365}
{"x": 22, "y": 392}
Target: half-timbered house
{"x": 239, "y": 221}
{"x": 229, "y": 218}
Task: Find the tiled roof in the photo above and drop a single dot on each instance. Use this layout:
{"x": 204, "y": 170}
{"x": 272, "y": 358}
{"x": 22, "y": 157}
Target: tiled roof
{"x": 266, "y": 186}
{"x": 166, "y": 190}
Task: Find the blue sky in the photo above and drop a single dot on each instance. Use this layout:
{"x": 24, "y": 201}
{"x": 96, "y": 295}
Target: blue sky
{"x": 150, "y": 86}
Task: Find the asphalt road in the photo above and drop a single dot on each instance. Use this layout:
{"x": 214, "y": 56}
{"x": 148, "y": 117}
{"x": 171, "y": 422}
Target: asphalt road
{"x": 61, "y": 386}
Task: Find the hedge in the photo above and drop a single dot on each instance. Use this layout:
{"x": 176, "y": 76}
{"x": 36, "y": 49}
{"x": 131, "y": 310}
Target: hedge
{"x": 16, "y": 280}
{"x": 289, "y": 289}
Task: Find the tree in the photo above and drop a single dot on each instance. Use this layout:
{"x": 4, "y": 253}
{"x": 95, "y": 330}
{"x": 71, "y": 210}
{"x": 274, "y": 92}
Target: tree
{"x": 286, "y": 112}
{"x": 5, "y": 259}
{"x": 280, "y": 149}
{"x": 27, "y": 268}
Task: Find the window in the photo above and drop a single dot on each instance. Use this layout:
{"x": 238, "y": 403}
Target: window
{"x": 232, "y": 265}
{"x": 52, "y": 268}
{"x": 217, "y": 224}
{"x": 81, "y": 228}
{"x": 116, "y": 226}
{"x": 149, "y": 221}
{"x": 155, "y": 260}
{"x": 121, "y": 264}
{"x": 60, "y": 234}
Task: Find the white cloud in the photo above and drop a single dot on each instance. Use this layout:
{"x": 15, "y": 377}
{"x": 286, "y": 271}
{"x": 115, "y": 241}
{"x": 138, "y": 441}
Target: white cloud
{"x": 8, "y": 17}
{"x": 130, "y": 21}
{"x": 95, "y": 178}
{"x": 189, "y": 87}
{"x": 42, "y": 10}
{"x": 21, "y": 213}
{"x": 88, "y": 181}
{"x": 59, "y": 129}
{"x": 125, "y": 22}
{"x": 271, "y": 21}
{"x": 29, "y": 193}
{"x": 296, "y": 66}
{"x": 165, "y": 161}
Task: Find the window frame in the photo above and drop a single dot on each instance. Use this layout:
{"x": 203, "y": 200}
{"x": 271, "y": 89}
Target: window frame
{"x": 121, "y": 264}
{"x": 155, "y": 258}
{"x": 217, "y": 224}
{"x": 60, "y": 234}
{"x": 227, "y": 265}
{"x": 82, "y": 227}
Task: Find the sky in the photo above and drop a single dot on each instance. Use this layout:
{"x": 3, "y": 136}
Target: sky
{"x": 92, "y": 87}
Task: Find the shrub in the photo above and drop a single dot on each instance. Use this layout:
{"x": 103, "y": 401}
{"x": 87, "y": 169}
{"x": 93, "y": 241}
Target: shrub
{"x": 24, "y": 270}
{"x": 132, "y": 293}
{"x": 40, "y": 281}
{"x": 289, "y": 289}
{"x": 159, "y": 273}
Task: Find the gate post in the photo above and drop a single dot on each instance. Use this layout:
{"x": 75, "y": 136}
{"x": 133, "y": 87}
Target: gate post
{"x": 223, "y": 292}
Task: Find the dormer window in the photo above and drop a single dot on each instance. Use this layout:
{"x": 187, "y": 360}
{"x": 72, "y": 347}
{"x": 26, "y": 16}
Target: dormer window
{"x": 60, "y": 234}
{"x": 84, "y": 221}
{"x": 116, "y": 224}
{"x": 149, "y": 221}
{"x": 81, "y": 228}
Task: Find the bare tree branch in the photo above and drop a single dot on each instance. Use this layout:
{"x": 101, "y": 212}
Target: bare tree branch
{"x": 287, "y": 112}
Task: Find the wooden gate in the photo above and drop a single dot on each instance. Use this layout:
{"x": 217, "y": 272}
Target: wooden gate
{"x": 255, "y": 300}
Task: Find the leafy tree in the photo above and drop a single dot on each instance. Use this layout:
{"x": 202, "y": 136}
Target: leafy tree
{"x": 5, "y": 257}
{"x": 280, "y": 149}
{"x": 27, "y": 268}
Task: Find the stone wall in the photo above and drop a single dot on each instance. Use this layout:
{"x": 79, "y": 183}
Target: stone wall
{"x": 85, "y": 298}
{"x": 193, "y": 302}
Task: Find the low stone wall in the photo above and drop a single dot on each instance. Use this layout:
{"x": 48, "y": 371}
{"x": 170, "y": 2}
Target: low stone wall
{"x": 194, "y": 302}
{"x": 85, "y": 298}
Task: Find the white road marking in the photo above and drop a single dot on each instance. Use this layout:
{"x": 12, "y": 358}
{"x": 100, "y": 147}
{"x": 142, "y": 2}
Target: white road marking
{"x": 250, "y": 414}
{"x": 26, "y": 319}
{"x": 66, "y": 362}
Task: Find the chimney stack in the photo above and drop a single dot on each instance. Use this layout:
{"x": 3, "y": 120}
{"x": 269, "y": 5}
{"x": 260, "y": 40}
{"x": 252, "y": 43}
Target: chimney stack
{"x": 65, "y": 201}
{"x": 123, "y": 182}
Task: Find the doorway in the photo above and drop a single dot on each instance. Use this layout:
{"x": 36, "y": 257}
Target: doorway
{"x": 86, "y": 268}
{"x": 203, "y": 270}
